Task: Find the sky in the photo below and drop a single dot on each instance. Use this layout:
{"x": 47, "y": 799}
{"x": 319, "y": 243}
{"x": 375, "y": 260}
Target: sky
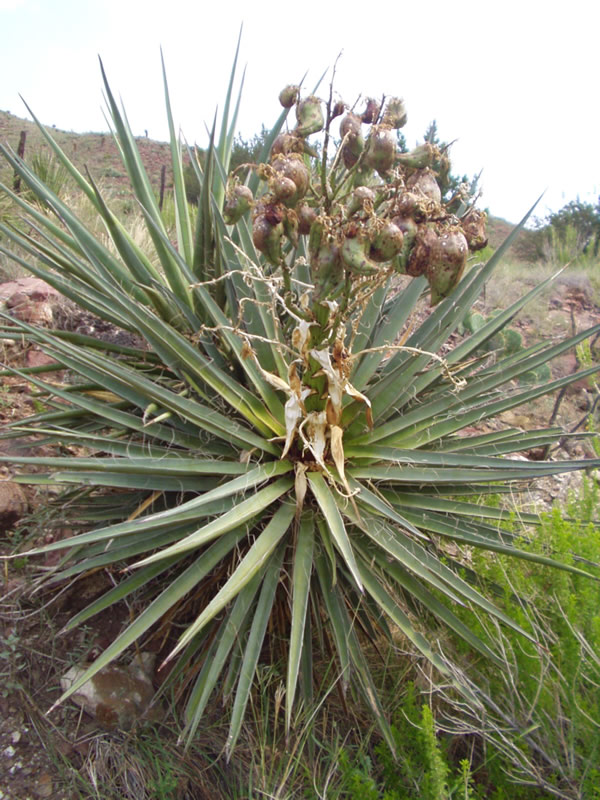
{"x": 514, "y": 83}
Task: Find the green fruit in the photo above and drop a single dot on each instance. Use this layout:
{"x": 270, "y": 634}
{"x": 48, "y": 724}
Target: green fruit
{"x": 447, "y": 264}
{"x": 287, "y": 143}
{"x": 386, "y": 243}
{"x": 291, "y": 226}
{"x": 413, "y": 205}
{"x": 371, "y": 112}
{"x": 422, "y": 156}
{"x": 409, "y": 230}
{"x": 293, "y": 168}
{"x": 310, "y": 116}
{"x": 395, "y": 113}
{"x": 283, "y": 188}
{"x": 325, "y": 265}
{"x": 423, "y": 182}
{"x": 355, "y": 255}
{"x": 362, "y": 199}
{"x": 354, "y": 143}
{"x": 267, "y": 232}
{"x": 306, "y": 217}
{"x": 473, "y": 225}
{"x": 380, "y": 152}
{"x": 315, "y": 238}
{"x": 423, "y": 252}
{"x": 238, "y": 201}
{"x": 289, "y": 96}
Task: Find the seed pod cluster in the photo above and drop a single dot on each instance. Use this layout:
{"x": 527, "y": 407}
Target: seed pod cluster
{"x": 376, "y": 211}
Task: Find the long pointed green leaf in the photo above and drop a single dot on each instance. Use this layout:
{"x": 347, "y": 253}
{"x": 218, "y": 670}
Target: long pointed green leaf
{"x": 229, "y": 634}
{"x": 242, "y": 513}
{"x": 259, "y": 554}
{"x": 301, "y": 580}
{"x": 334, "y": 520}
{"x": 159, "y": 607}
{"x": 255, "y": 641}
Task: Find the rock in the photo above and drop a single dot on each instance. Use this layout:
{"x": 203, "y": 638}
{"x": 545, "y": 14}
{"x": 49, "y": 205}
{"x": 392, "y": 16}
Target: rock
{"x": 117, "y": 697}
{"x": 29, "y": 299}
{"x": 34, "y": 288}
{"x": 13, "y": 505}
{"x": 26, "y": 309}
{"x": 37, "y": 358}
{"x": 44, "y": 786}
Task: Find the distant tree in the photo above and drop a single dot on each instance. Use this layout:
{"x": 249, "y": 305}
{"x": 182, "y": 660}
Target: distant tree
{"x": 583, "y": 218}
{"x": 247, "y": 151}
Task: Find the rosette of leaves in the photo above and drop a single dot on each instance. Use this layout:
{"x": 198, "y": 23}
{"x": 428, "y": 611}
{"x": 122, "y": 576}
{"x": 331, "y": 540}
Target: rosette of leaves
{"x": 272, "y": 474}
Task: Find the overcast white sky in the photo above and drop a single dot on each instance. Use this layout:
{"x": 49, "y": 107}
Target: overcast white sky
{"x": 516, "y": 83}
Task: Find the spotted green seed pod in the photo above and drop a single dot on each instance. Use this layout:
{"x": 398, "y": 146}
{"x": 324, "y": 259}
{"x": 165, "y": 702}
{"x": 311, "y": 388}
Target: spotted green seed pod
{"x": 287, "y": 143}
{"x": 362, "y": 199}
{"x": 306, "y": 217}
{"x": 395, "y": 113}
{"x": 409, "y": 231}
{"x": 238, "y": 201}
{"x": 291, "y": 226}
{"x": 267, "y": 232}
{"x": 445, "y": 270}
{"x": 380, "y": 151}
{"x": 283, "y": 188}
{"x": 309, "y": 114}
{"x": 424, "y": 251}
{"x": 355, "y": 255}
{"x": 293, "y": 168}
{"x": 386, "y": 243}
{"x": 325, "y": 264}
{"x": 423, "y": 181}
{"x": 413, "y": 205}
{"x": 316, "y": 236}
{"x": 473, "y": 225}
{"x": 289, "y": 96}
{"x": 422, "y": 156}
{"x": 371, "y": 112}
{"x": 354, "y": 143}
{"x": 338, "y": 109}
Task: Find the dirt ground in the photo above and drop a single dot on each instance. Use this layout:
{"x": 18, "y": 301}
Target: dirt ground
{"x": 38, "y": 750}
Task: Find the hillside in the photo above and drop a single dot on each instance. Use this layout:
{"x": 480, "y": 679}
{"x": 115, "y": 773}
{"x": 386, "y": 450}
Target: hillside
{"x": 95, "y": 152}
{"x": 98, "y": 154}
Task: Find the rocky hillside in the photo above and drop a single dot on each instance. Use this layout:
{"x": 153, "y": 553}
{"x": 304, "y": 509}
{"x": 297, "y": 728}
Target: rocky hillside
{"x": 95, "y": 152}
{"x": 98, "y": 154}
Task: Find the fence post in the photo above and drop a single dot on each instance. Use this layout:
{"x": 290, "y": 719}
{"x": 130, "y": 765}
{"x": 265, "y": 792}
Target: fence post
{"x": 20, "y": 154}
{"x": 163, "y": 178}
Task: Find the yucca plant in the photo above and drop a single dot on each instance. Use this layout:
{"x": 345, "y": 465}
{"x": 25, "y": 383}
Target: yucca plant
{"x": 284, "y": 455}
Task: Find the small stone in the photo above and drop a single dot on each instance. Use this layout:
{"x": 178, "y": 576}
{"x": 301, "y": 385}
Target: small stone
{"x": 37, "y": 358}
{"x": 15, "y": 737}
{"x": 30, "y": 311}
{"x": 9, "y": 751}
{"x": 117, "y": 697}
{"x": 13, "y": 505}
{"x": 44, "y": 786}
